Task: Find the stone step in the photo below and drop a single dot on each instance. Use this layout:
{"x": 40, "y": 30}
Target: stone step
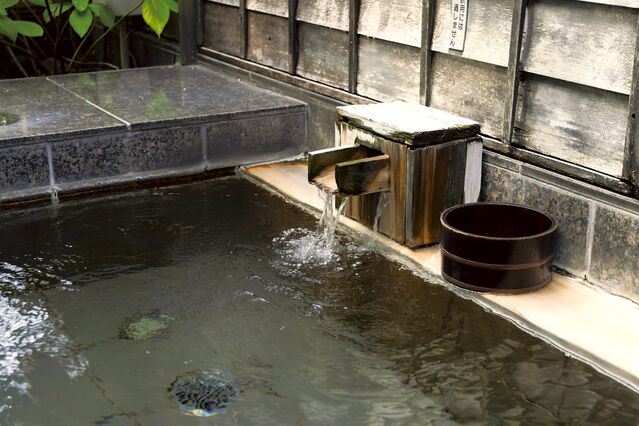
{"x": 82, "y": 131}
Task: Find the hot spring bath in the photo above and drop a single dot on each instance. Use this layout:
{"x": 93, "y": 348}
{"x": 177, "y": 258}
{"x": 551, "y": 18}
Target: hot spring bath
{"x": 111, "y": 307}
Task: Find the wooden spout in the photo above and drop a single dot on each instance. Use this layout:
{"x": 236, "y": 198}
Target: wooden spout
{"x": 319, "y": 161}
{"x": 349, "y": 170}
{"x": 363, "y": 176}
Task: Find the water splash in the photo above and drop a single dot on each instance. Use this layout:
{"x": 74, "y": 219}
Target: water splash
{"x": 302, "y": 246}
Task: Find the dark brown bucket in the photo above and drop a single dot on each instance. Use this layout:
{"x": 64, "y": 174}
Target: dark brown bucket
{"x": 497, "y": 248}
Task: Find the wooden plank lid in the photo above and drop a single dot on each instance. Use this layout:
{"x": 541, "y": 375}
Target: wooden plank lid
{"x": 408, "y": 123}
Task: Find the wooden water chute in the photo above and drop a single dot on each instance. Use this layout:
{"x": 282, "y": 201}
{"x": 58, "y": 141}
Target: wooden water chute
{"x": 350, "y": 170}
{"x": 426, "y": 159}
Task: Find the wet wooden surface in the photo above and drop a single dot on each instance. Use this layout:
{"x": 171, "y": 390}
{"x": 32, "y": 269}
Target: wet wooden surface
{"x": 364, "y": 176}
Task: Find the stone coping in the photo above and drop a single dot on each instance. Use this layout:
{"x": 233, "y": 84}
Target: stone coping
{"x": 103, "y": 129}
{"x": 586, "y": 323}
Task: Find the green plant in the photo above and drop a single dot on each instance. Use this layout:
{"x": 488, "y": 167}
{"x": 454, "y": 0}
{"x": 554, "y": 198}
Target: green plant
{"x": 49, "y": 36}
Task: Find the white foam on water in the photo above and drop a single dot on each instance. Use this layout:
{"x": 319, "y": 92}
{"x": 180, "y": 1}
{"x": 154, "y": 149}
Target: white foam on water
{"x": 303, "y": 246}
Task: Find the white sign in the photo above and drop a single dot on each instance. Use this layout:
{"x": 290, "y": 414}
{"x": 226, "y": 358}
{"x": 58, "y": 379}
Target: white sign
{"x": 459, "y": 13}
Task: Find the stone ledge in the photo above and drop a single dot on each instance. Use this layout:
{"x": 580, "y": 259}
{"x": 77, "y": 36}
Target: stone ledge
{"x": 100, "y": 129}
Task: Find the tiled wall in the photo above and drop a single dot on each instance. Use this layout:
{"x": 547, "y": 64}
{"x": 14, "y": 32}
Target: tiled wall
{"x": 598, "y": 229}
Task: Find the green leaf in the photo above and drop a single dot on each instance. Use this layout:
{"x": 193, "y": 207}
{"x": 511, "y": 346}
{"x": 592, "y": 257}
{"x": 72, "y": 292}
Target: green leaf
{"x": 104, "y": 13}
{"x": 7, "y": 28}
{"x": 81, "y": 21}
{"x": 28, "y": 28}
{"x": 57, "y": 9}
{"x": 5, "y": 4}
{"x": 173, "y": 5}
{"x": 156, "y": 14}
{"x": 81, "y": 5}
{"x": 38, "y": 2}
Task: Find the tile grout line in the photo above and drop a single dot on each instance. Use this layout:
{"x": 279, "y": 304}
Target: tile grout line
{"x": 204, "y": 142}
{"x": 98, "y": 107}
{"x": 52, "y": 185}
{"x": 590, "y": 235}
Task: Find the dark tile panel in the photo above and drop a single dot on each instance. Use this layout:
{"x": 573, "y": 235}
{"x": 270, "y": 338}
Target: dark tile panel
{"x": 581, "y": 188}
{"x": 501, "y": 161}
{"x": 23, "y": 167}
{"x": 501, "y": 185}
{"x": 615, "y": 251}
{"x": 162, "y": 96}
{"x": 572, "y": 215}
{"x": 45, "y": 111}
{"x": 125, "y": 155}
{"x": 235, "y": 142}
{"x": 570, "y": 211}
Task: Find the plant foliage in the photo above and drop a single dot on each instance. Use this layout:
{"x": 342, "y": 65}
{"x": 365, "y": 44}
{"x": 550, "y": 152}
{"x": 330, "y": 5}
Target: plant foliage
{"x": 53, "y": 18}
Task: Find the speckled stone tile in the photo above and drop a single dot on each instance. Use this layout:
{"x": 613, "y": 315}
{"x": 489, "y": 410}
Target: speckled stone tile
{"x": 571, "y": 212}
{"x": 46, "y": 110}
{"x": 572, "y": 216}
{"x": 615, "y": 251}
{"x": 23, "y": 167}
{"x": 250, "y": 140}
{"x": 126, "y": 155}
{"x": 146, "y": 97}
{"x": 501, "y": 185}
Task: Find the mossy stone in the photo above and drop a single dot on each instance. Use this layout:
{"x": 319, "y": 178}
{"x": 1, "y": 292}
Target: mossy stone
{"x": 8, "y": 118}
{"x": 144, "y": 326}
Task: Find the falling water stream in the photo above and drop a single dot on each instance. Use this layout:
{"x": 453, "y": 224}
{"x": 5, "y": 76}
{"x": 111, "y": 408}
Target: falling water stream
{"x": 306, "y": 246}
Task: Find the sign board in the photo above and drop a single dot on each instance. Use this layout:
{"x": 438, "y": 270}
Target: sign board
{"x": 459, "y": 13}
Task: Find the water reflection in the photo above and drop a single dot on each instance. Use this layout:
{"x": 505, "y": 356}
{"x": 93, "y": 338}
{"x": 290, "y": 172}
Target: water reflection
{"x": 27, "y": 328}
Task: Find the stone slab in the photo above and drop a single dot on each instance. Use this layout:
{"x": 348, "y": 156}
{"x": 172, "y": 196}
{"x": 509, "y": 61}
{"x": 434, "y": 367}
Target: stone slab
{"x": 121, "y": 157}
{"x": 615, "y": 251}
{"x": 167, "y": 96}
{"x": 47, "y": 111}
{"x": 23, "y": 168}
{"x": 255, "y": 139}
{"x": 571, "y": 212}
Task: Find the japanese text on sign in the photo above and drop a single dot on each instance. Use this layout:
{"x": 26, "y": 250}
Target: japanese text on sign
{"x": 458, "y": 30}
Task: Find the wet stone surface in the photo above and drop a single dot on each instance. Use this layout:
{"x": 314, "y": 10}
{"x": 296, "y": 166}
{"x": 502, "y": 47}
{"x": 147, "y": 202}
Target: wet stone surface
{"x": 149, "y": 96}
{"x": 255, "y": 139}
{"x": 127, "y": 153}
{"x": 615, "y": 251}
{"x": 571, "y": 212}
{"x": 23, "y": 167}
{"x": 47, "y": 110}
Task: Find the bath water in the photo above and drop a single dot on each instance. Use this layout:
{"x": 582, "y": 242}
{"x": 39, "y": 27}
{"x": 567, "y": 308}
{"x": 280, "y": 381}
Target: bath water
{"x": 110, "y": 307}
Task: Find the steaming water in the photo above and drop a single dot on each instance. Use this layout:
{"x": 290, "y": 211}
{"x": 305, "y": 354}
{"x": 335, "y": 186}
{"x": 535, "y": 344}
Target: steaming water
{"x": 353, "y": 340}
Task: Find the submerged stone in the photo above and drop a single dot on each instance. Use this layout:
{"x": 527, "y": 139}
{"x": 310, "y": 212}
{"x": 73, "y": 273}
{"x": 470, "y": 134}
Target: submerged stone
{"x": 144, "y": 326}
{"x": 8, "y": 118}
{"x": 203, "y": 393}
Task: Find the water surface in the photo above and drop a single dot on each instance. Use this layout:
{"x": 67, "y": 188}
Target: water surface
{"x": 355, "y": 339}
